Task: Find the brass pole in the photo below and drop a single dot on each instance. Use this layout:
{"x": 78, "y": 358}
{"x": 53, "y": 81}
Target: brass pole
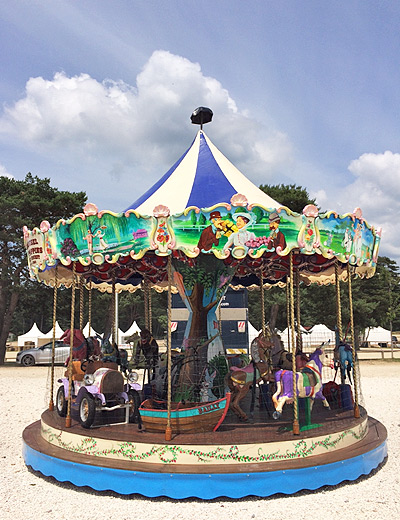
{"x": 114, "y": 338}
{"x": 168, "y": 430}
{"x": 299, "y": 338}
{"x": 71, "y": 344}
{"x": 150, "y": 308}
{"x": 288, "y": 311}
{"x": 90, "y": 309}
{"x": 81, "y": 302}
{"x": 353, "y": 346}
{"x": 146, "y": 304}
{"x": 262, "y": 303}
{"x": 296, "y": 426}
{"x": 338, "y": 302}
{"x": 53, "y": 345}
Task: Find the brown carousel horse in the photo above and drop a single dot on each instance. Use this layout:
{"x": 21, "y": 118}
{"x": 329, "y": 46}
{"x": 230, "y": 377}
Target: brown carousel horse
{"x": 239, "y": 380}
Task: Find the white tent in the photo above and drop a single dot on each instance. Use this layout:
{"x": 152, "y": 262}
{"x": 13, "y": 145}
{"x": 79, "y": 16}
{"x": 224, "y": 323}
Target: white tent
{"x": 31, "y": 336}
{"x": 59, "y": 332}
{"x": 376, "y": 335}
{"x": 320, "y": 334}
{"x": 130, "y": 332}
{"x": 253, "y": 332}
{"x": 85, "y": 331}
{"x": 286, "y": 337}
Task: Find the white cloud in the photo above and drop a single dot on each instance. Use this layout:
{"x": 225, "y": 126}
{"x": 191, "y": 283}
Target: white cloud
{"x": 376, "y": 190}
{"x": 110, "y": 135}
{"x": 4, "y": 172}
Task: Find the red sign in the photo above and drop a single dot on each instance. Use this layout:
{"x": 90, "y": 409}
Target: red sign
{"x": 241, "y": 326}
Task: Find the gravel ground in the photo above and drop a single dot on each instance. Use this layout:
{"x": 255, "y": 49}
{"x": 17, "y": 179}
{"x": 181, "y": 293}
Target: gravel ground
{"x": 28, "y": 495}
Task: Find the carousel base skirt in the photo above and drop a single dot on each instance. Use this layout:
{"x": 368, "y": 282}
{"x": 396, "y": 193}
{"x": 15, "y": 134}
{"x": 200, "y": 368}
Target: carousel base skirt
{"x": 104, "y": 459}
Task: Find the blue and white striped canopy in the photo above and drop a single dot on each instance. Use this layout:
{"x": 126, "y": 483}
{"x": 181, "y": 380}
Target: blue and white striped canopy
{"x": 202, "y": 177}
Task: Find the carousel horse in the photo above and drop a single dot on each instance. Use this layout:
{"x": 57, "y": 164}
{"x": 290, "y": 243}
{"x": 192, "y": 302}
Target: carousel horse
{"x": 343, "y": 359}
{"x": 82, "y": 348}
{"x": 239, "y": 380}
{"x": 308, "y": 382}
{"x": 282, "y": 359}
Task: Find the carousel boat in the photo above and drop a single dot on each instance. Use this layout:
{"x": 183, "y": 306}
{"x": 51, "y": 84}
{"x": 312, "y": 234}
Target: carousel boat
{"x": 185, "y": 417}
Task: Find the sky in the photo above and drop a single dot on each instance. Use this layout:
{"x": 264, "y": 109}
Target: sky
{"x": 97, "y": 96}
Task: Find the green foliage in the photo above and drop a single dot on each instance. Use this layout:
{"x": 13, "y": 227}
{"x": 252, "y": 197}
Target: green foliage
{"x": 193, "y": 218}
{"x": 290, "y": 195}
{"x": 259, "y": 213}
{"x": 25, "y": 203}
{"x": 219, "y": 364}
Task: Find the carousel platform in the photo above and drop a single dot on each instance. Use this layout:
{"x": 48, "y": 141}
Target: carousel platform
{"x": 260, "y": 458}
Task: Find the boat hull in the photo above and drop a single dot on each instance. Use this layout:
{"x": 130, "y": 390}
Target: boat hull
{"x": 188, "y": 418}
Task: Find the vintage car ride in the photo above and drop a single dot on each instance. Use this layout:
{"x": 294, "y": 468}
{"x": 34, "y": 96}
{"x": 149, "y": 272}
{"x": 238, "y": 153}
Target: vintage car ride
{"x": 99, "y": 387}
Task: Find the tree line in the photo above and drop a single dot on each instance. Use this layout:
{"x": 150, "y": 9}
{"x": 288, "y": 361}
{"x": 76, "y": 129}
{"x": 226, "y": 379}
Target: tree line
{"x": 24, "y": 302}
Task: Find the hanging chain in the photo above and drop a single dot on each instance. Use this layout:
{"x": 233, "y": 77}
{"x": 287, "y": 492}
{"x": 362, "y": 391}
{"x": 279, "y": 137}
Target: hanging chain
{"x": 262, "y": 303}
{"x": 114, "y": 339}
{"x": 81, "y": 302}
{"x": 353, "y": 345}
{"x": 53, "y": 345}
{"x": 296, "y": 426}
{"x": 150, "y": 327}
{"x": 90, "y": 308}
{"x": 299, "y": 338}
{"x": 146, "y": 304}
{"x": 168, "y": 430}
{"x": 71, "y": 344}
{"x": 288, "y": 311}
{"x": 338, "y": 302}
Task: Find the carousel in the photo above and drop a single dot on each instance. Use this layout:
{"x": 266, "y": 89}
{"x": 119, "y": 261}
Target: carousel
{"x": 206, "y": 423}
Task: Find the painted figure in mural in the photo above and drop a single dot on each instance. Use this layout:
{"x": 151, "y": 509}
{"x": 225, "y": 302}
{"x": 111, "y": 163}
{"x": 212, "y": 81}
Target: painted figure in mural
{"x": 357, "y": 240}
{"x": 328, "y": 241}
{"x": 100, "y": 235}
{"x": 212, "y": 233}
{"x": 347, "y": 241}
{"x": 147, "y": 346}
{"x": 89, "y": 239}
{"x": 240, "y": 237}
{"x": 276, "y": 237}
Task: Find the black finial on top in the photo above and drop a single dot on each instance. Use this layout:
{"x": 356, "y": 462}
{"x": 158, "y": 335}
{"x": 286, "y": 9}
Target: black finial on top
{"x": 201, "y": 116}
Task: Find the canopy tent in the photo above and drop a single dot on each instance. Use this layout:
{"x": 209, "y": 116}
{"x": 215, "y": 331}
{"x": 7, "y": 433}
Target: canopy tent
{"x": 202, "y": 177}
{"x": 86, "y": 333}
{"x": 320, "y": 334}
{"x": 133, "y": 329}
{"x": 59, "y": 332}
{"x": 32, "y": 336}
{"x": 376, "y": 335}
{"x": 286, "y": 337}
{"x": 253, "y": 332}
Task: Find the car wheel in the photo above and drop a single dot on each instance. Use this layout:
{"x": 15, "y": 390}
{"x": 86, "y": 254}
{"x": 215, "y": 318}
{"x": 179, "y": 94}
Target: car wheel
{"x": 28, "y": 360}
{"x": 61, "y": 402}
{"x": 134, "y": 403}
{"x": 87, "y": 411}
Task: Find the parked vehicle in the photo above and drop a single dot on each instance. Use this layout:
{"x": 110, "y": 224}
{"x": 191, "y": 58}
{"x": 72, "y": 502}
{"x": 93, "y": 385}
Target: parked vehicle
{"x": 42, "y": 355}
{"x": 99, "y": 387}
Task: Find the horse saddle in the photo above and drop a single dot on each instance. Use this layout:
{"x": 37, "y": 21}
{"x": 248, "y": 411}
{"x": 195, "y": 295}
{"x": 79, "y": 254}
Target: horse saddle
{"x": 249, "y": 369}
{"x": 309, "y": 377}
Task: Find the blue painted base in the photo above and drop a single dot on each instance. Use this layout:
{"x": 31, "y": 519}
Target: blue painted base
{"x": 205, "y": 486}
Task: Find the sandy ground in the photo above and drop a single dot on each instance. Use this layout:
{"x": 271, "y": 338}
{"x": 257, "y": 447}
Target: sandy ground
{"x": 28, "y": 495}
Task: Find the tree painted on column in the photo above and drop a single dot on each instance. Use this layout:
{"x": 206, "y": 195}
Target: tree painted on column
{"x": 202, "y": 283}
